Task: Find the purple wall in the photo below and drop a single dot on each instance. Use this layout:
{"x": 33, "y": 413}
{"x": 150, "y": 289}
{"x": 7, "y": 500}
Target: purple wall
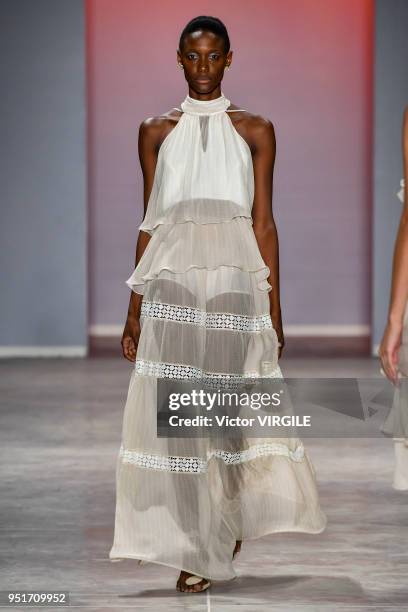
{"x": 306, "y": 65}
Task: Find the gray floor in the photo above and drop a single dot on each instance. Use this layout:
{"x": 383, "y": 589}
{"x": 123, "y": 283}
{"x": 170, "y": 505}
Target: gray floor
{"x": 60, "y": 427}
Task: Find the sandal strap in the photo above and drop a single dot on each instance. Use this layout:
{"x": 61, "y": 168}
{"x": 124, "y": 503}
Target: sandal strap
{"x": 194, "y": 580}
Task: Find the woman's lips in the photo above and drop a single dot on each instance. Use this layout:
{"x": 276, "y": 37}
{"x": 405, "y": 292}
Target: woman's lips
{"x": 203, "y": 80}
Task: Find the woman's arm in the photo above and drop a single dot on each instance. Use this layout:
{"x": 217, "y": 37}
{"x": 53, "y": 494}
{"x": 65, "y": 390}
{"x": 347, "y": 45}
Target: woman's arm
{"x": 399, "y": 284}
{"x": 149, "y": 133}
{"x": 263, "y": 156}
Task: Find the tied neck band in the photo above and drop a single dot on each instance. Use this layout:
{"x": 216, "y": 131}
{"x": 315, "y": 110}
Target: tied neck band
{"x": 205, "y": 107}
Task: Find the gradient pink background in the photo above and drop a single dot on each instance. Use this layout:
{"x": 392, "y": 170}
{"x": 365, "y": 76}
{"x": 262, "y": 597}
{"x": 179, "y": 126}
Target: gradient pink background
{"x": 304, "y": 64}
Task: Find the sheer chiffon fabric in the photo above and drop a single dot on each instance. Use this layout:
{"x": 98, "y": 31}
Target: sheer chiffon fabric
{"x": 183, "y": 502}
{"x": 182, "y": 246}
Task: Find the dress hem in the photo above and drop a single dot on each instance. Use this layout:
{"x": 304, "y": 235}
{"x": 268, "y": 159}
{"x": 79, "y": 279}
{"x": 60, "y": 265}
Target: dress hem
{"x": 180, "y": 569}
{"x": 124, "y": 556}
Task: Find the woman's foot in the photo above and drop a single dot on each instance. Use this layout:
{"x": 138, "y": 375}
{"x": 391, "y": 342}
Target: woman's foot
{"x": 236, "y": 549}
{"x": 190, "y": 583}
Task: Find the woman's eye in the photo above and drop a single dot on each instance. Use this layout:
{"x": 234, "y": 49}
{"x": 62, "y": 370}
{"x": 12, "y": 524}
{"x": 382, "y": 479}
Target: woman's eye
{"x": 192, "y": 57}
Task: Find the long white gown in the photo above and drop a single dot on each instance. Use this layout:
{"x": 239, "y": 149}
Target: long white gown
{"x": 204, "y": 315}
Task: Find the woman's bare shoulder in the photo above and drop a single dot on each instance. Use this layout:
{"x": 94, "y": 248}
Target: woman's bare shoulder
{"x": 155, "y": 129}
{"x": 254, "y": 119}
{"x": 257, "y": 130}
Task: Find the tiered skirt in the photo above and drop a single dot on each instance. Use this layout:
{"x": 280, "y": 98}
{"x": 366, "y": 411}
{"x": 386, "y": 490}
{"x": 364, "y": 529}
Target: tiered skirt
{"x": 183, "y": 502}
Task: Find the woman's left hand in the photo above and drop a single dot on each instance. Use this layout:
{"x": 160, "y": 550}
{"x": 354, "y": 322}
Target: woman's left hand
{"x": 277, "y": 325}
{"x": 388, "y": 351}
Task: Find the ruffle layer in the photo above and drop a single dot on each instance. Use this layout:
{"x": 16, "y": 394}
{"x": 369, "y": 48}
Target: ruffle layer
{"x": 197, "y": 210}
{"x": 182, "y": 246}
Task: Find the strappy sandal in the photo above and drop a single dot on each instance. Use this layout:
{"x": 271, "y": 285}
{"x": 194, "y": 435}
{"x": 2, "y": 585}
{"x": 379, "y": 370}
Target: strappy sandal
{"x": 191, "y": 581}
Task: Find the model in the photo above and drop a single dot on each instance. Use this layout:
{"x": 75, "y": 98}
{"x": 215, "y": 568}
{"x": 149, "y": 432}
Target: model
{"x": 205, "y": 306}
{"x": 393, "y": 349}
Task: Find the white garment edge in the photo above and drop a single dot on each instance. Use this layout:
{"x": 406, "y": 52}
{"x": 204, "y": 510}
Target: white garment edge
{"x": 209, "y": 320}
{"x": 227, "y": 110}
{"x": 401, "y": 192}
{"x": 198, "y": 465}
{"x": 162, "y": 369}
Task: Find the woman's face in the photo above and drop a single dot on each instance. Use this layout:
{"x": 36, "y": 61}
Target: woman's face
{"x": 204, "y": 59}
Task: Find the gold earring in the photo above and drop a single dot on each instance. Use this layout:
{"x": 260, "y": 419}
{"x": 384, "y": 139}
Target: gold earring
{"x": 227, "y": 66}
{"x": 180, "y": 66}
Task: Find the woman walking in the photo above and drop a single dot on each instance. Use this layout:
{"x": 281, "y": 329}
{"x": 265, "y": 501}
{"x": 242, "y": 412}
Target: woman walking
{"x": 205, "y": 306}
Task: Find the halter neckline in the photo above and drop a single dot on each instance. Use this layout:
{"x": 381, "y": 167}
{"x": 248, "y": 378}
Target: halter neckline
{"x": 205, "y": 107}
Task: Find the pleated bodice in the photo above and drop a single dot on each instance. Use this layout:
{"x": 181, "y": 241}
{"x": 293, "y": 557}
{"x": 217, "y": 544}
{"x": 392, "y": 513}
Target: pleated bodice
{"x": 199, "y": 212}
{"x": 204, "y": 169}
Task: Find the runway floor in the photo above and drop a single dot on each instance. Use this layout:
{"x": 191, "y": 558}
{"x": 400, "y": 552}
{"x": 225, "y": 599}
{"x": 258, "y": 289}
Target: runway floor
{"x": 60, "y": 433}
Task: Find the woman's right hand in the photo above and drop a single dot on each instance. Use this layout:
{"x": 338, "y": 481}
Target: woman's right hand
{"x": 130, "y": 338}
